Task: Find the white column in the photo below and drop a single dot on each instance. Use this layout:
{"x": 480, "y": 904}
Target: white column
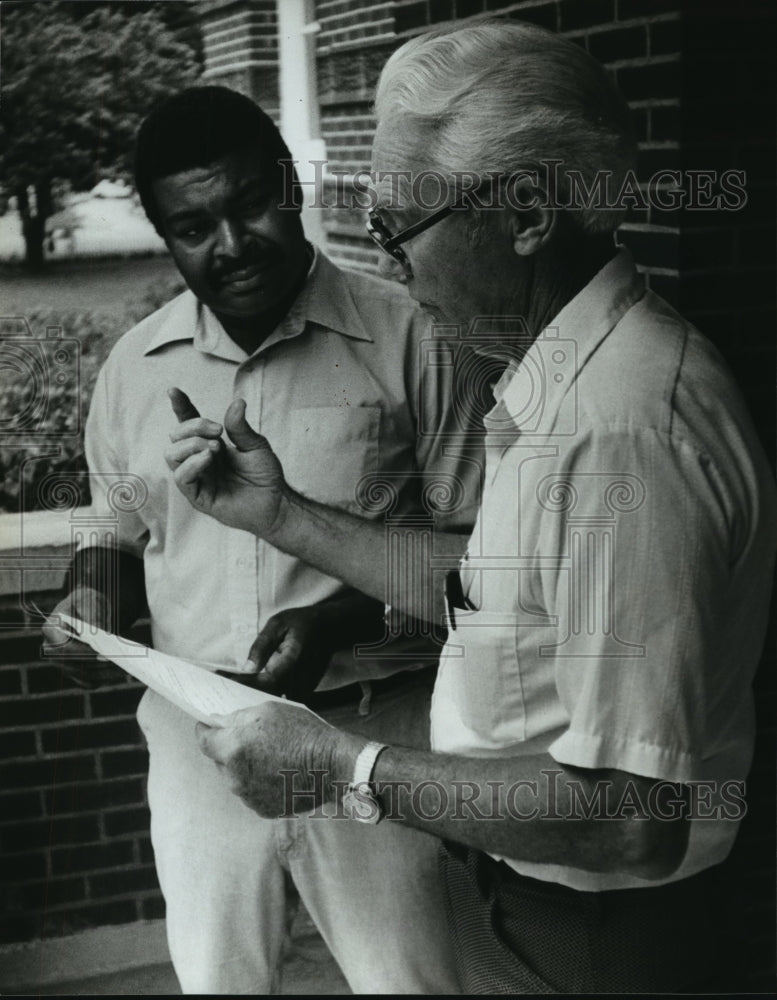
{"x": 300, "y": 126}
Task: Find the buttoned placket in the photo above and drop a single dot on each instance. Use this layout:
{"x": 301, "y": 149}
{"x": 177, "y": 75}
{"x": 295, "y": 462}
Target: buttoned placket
{"x": 245, "y": 551}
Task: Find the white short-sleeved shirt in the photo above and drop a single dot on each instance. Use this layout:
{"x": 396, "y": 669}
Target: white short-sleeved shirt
{"x": 340, "y": 389}
{"x": 620, "y": 566}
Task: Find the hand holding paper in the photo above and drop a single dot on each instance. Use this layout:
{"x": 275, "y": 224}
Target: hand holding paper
{"x": 270, "y": 749}
{"x": 198, "y": 692}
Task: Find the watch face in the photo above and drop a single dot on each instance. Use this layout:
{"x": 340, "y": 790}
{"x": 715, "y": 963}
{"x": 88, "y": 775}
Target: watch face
{"x": 361, "y": 803}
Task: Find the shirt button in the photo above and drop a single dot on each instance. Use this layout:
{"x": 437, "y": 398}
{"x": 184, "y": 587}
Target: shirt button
{"x": 242, "y": 629}
{"x": 241, "y": 562}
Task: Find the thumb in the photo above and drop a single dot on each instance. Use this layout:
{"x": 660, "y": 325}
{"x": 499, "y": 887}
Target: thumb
{"x": 210, "y": 739}
{"x": 236, "y": 426}
{"x": 266, "y": 643}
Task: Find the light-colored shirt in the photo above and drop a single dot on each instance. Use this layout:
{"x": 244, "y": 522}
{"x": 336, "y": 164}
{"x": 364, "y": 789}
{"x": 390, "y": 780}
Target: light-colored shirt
{"x": 620, "y": 566}
{"x": 341, "y": 389}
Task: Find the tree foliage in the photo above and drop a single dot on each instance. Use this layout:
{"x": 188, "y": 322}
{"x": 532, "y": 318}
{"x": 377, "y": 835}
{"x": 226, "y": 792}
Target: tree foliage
{"x": 74, "y": 90}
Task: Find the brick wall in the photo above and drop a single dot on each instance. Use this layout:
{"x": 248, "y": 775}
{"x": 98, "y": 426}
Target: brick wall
{"x": 639, "y": 41}
{"x": 73, "y": 819}
{"x": 240, "y": 47}
{"x": 351, "y": 48}
{"x": 74, "y": 824}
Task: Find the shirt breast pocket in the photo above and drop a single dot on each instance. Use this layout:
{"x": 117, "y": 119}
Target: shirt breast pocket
{"x": 330, "y": 449}
{"x": 484, "y": 678}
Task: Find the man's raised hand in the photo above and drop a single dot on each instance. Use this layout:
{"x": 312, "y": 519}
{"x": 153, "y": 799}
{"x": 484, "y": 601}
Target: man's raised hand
{"x": 241, "y": 486}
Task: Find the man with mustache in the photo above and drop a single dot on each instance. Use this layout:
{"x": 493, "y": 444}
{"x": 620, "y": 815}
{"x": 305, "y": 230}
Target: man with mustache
{"x": 592, "y": 719}
{"x": 330, "y": 362}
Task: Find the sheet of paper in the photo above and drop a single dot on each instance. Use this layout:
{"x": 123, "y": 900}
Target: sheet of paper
{"x": 196, "y": 691}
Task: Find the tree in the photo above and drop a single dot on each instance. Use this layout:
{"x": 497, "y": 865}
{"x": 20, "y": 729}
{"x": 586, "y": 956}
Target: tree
{"x": 74, "y": 90}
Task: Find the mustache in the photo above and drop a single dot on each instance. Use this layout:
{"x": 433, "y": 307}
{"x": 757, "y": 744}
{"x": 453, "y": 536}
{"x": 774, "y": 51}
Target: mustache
{"x": 225, "y": 269}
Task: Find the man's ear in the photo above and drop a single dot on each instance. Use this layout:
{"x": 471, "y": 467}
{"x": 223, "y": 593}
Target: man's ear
{"x": 532, "y": 219}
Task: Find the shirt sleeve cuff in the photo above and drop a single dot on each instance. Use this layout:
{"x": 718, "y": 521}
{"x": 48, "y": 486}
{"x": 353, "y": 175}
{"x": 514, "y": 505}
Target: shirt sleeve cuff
{"x": 646, "y": 759}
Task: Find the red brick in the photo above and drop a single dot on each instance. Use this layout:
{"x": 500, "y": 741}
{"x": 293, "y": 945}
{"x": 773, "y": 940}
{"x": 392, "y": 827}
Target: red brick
{"x": 665, "y": 285}
{"x": 51, "y": 892}
{"x": 19, "y": 837}
{"x": 657, "y": 158}
{"x": 640, "y": 118}
{"x": 91, "y": 735}
{"x": 104, "y": 794}
{"x": 646, "y": 8}
{"x": 665, "y": 37}
{"x": 618, "y": 43}
{"x": 121, "y": 701}
{"x": 582, "y": 15}
{"x": 55, "y": 770}
{"x": 16, "y": 926}
{"x": 468, "y": 8}
{"x": 123, "y": 882}
{"x": 146, "y": 850}
{"x": 710, "y": 249}
{"x": 545, "y": 15}
{"x": 45, "y": 677}
{"x": 66, "y": 861}
{"x": 651, "y": 249}
{"x": 653, "y": 80}
{"x": 117, "y": 763}
{"x": 22, "y": 646}
{"x": 41, "y": 710}
{"x": 153, "y": 907}
{"x": 20, "y": 805}
{"x": 10, "y": 681}
{"x": 665, "y": 123}
{"x": 440, "y": 10}
{"x": 756, "y": 247}
{"x": 17, "y": 744}
{"x": 134, "y": 820}
{"x": 22, "y": 867}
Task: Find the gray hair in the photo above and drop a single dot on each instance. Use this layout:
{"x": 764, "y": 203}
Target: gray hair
{"x": 508, "y": 97}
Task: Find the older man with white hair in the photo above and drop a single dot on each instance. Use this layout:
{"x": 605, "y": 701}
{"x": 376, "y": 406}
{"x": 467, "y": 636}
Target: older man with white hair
{"x": 592, "y": 720}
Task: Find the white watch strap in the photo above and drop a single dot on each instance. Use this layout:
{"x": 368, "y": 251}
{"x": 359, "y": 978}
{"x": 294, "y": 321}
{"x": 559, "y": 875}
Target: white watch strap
{"x": 365, "y": 762}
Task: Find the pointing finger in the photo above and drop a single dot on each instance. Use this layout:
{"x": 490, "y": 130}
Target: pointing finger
{"x": 183, "y": 407}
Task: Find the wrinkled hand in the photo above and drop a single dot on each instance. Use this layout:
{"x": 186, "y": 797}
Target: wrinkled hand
{"x": 273, "y": 753}
{"x": 291, "y": 653}
{"x": 77, "y": 660}
{"x": 241, "y": 486}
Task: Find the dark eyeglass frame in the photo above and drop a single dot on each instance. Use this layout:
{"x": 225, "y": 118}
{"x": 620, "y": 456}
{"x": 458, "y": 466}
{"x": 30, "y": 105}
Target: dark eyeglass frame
{"x": 390, "y": 242}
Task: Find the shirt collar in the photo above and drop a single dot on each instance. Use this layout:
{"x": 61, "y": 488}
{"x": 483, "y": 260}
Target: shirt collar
{"x": 325, "y": 300}
{"x": 532, "y": 389}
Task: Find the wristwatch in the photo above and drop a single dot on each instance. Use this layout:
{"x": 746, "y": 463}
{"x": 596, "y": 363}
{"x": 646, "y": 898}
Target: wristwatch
{"x": 360, "y": 801}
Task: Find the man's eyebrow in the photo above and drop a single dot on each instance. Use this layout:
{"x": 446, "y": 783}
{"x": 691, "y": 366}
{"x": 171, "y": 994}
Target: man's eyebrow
{"x": 253, "y": 184}
{"x": 185, "y": 215}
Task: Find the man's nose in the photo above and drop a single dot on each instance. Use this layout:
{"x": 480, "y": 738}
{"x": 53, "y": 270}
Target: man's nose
{"x": 229, "y": 239}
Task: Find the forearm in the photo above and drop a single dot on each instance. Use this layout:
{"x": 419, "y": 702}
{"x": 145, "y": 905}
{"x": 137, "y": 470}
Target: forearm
{"x": 355, "y": 550}
{"x": 534, "y": 809}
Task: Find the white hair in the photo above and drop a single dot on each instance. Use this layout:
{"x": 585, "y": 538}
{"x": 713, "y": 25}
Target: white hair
{"x": 507, "y": 97}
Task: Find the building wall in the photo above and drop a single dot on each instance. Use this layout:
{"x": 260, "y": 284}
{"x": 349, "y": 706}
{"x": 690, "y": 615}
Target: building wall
{"x": 73, "y": 819}
{"x": 240, "y": 47}
{"x": 75, "y": 848}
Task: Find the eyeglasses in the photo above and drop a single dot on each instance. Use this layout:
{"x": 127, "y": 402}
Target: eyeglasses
{"x": 390, "y": 242}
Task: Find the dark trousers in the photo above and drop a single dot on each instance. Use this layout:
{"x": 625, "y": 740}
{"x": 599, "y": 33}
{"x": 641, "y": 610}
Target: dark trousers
{"x": 515, "y": 934}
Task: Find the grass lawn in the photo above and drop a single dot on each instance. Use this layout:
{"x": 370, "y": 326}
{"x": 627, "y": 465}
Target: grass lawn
{"x": 109, "y": 287}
